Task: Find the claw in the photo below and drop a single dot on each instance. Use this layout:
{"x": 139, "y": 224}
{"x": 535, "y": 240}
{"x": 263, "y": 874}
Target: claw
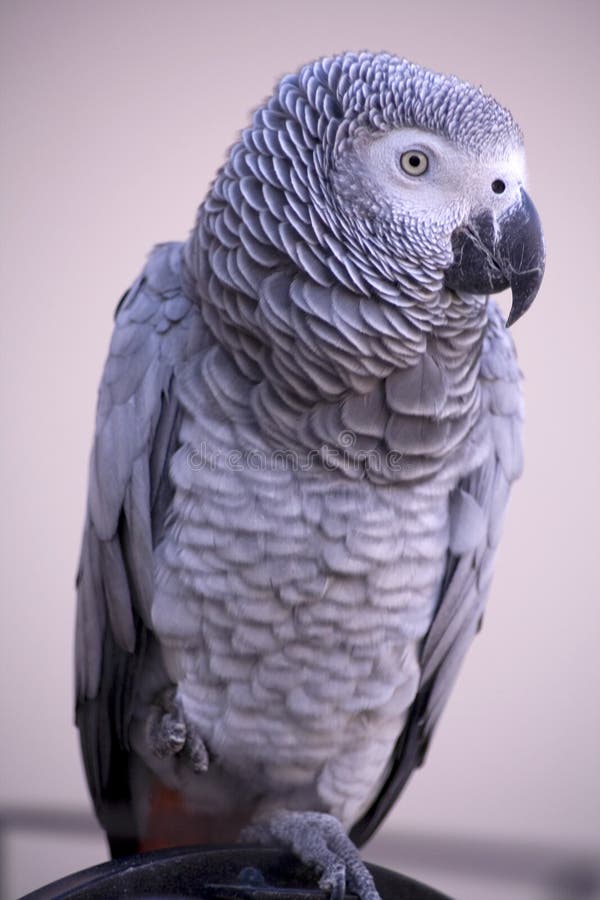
{"x": 169, "y": 733}
{"x": 333, "y": 880}
{"x": 320, "y": 841}
{"x": 198, "y": 753}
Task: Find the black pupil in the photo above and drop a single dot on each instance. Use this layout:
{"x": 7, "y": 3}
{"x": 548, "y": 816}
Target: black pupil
{"x": 414, "y": 161}
{"x": 498, "y": 186}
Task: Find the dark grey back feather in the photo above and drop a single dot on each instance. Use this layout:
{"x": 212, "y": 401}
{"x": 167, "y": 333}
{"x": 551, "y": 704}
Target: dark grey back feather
{"x": 129, "y": 493}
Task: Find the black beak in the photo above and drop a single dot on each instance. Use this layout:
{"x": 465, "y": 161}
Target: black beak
{"x": 490, "y": 256}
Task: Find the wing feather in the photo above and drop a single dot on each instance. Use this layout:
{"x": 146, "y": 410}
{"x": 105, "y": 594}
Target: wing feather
{"x": 476, "y": 510}
{"x": 129, "y": 493}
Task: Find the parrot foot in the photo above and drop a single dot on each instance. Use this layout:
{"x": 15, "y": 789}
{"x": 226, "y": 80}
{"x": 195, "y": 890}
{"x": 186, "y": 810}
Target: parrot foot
{"x": 320, "y": 841}
{"x": 169, "y": 733}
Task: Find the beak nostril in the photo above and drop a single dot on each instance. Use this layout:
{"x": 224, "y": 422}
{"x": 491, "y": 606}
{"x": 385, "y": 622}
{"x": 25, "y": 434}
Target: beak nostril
{"x": 498, "y": 186}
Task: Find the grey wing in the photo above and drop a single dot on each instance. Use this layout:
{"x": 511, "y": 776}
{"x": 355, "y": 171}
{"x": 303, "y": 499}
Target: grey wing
{"x": 129, "y": 491}
{"x": 476, "y": 510}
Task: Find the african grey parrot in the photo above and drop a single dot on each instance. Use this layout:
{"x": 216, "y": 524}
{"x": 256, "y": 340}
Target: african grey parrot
{"x": 308, "y": 425}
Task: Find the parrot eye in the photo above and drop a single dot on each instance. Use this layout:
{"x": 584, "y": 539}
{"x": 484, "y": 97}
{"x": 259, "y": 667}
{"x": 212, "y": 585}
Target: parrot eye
{"x": 498, "y": 186}
{"x": 414, "y": 162}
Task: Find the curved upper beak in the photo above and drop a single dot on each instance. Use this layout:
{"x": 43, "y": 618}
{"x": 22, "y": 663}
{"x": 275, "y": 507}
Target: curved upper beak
{"x": 491, "y": 255}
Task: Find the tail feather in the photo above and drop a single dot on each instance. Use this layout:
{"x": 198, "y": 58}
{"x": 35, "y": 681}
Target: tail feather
{"x": 171, "y": 824}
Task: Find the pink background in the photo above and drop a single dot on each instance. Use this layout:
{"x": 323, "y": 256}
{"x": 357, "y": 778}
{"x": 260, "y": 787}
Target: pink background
{"x": 115, "y": 117}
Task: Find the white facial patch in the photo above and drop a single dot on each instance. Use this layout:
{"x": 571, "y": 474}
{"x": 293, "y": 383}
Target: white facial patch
{"x": 451, "y": 185}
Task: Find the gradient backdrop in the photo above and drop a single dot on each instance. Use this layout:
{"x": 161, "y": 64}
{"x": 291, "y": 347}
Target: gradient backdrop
{"x": 115, "y": 117}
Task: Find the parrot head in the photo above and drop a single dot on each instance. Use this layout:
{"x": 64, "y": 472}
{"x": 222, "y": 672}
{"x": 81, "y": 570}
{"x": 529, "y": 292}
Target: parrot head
{"x": 427, "y": 175}
{"x": 363, "y": 178}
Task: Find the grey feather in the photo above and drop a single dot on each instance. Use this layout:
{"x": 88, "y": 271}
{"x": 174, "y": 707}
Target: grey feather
{"x": 476, "y": 510}
{"x": 304, "y": 447}
{"x": 134, "y": 438}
